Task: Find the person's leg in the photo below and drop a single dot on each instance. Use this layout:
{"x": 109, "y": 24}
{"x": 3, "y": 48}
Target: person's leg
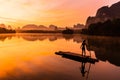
{"x": 82, "y": 52}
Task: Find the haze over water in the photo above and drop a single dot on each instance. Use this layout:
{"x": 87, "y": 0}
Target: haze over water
{"x": 32, "y": 57}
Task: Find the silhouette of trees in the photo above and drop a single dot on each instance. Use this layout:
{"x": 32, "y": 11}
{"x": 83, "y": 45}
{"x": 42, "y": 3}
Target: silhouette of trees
{"x": 40, "y": 31}
{"x": 108, "y": 28}
{"x": 68, "y": 31}
{"x": 4, "y": 30}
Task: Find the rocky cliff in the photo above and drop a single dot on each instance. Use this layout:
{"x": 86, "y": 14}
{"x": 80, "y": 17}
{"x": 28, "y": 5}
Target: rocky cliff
{"x": 105, "y": 13}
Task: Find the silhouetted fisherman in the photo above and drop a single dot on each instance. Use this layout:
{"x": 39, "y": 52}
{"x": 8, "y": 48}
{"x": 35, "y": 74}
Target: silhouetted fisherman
{"x": 83, "y": 69}
{"x": 83, "y": 48}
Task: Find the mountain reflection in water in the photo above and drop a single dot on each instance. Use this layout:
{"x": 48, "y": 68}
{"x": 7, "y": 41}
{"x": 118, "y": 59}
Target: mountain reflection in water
{"x": 105, "y": 48}
{"x": 41, "y": 37}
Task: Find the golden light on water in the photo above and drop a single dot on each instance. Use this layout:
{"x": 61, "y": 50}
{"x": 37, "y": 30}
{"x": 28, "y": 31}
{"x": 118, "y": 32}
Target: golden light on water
{"x": 32, "y": 56}
{"x": 15, "y": 50}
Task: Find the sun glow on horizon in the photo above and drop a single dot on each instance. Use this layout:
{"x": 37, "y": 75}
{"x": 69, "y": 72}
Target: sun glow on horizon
{"x": 61, "y": 13}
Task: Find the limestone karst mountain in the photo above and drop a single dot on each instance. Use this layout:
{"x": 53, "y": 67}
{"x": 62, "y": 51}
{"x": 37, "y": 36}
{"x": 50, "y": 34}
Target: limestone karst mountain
{"x": 104, "y": 13}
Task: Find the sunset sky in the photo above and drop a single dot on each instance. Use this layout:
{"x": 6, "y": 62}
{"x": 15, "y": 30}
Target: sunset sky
{"x": 58, "y": 12}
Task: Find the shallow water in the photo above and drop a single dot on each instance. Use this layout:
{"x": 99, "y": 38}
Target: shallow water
{"x": 32, "y": 57}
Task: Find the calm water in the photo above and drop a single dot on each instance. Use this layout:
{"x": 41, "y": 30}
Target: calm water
{"x": 32, "y": 57}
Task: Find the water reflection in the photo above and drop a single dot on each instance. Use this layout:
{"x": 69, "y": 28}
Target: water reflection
{"x": 82, "y": 69}
{"x": 41, "y": 37}
{"x": 105, "y": 48}
{"x": 80, "y": 58}
{"x": 31, "y": 57}
{"x": 4, "y": 37}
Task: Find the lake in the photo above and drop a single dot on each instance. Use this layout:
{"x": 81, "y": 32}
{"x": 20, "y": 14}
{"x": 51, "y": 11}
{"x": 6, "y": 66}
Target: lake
{"x": 32, "y": 57}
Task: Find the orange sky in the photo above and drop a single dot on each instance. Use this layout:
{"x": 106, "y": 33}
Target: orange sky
{"x": 59, "y": 12}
